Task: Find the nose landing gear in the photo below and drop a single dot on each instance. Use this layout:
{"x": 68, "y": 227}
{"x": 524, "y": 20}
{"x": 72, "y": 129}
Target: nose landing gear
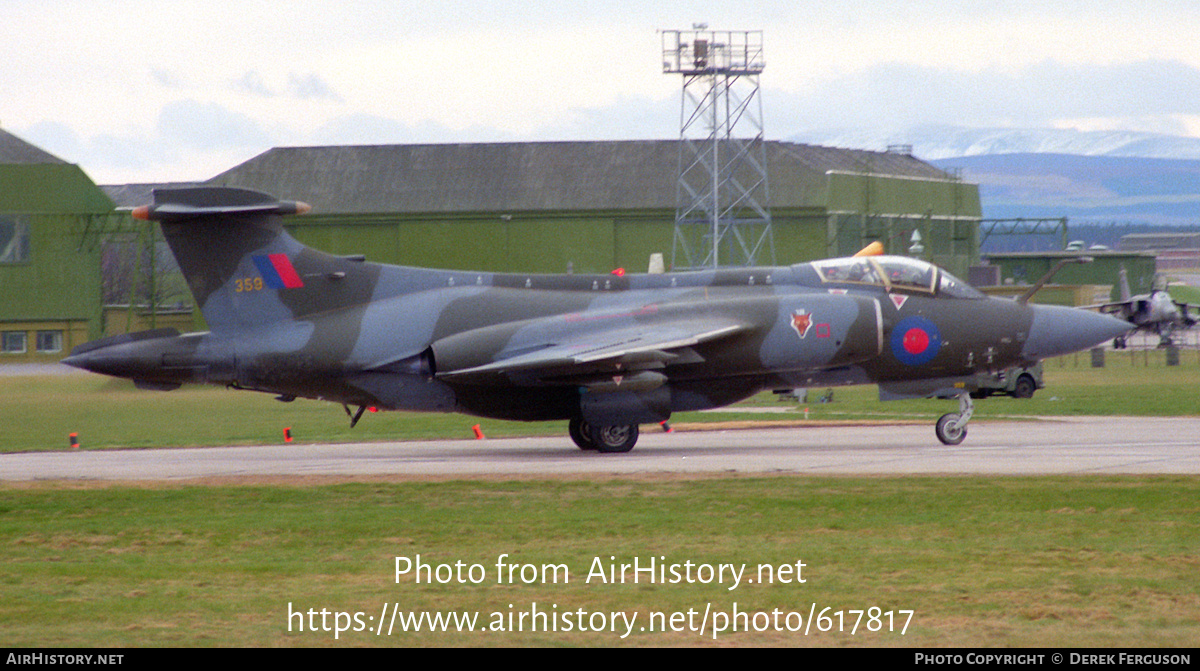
{"x": 951, "y": 427}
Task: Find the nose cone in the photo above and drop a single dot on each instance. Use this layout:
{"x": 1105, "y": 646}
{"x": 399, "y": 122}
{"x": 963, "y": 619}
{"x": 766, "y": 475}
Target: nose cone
{"x": 138, "y": 356}
{"x": 1058, "y": 330}
{"x": 115, "y": 360}
{"x": 77, "y": 361}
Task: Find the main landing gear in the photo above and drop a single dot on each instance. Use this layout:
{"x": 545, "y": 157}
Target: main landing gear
{"x": 619, "y": 438}
{"x": 951, "y": 427}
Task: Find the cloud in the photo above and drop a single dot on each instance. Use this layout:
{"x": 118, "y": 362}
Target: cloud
{"x": 105, "y": 151}
{"x": 892, "y": 95}
{"x": 188, "y": 115}
{"x": 189, "y": 140}
{"x": 54, "y": 137}
{"x": 311, "y": 87}
{"x": 208, "y": 126}
{"x": 252, "y": 83}
{"x": 165, "y": 78}
{"x": 363, "y": 128}
{"x": 298, "y": 87}
{"x": 628, "y": 118}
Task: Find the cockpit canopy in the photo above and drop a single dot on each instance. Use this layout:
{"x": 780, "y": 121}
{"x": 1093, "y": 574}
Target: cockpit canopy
{"x": 895, "y": 273}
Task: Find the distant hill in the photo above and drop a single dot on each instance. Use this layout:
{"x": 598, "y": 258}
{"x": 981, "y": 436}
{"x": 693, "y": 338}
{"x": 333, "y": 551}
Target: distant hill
{"x": 935, "y": 142}
{"x": 1086, "y": 189}
{"x": 1088, "y": 176}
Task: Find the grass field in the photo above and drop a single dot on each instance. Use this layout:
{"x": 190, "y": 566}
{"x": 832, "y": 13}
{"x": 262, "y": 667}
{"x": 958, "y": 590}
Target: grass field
{"x": 1187, "y": 294}
{"x": 1056, "y": 561}
{"x": 1027, "y": 562}
{"x": 39, "y": 413}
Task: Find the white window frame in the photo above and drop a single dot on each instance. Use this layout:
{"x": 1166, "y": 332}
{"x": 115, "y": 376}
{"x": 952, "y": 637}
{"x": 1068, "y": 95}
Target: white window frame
{"x": 4, "y": 342}
{"x": 57, "y": 337}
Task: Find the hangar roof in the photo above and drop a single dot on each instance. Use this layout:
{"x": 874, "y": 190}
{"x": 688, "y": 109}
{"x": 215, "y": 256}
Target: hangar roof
{"x": 15, "y": 151}
{"x": 36, "y": 181}
{"x": 1141, "y": 242}
{"x": 531, "y": 176}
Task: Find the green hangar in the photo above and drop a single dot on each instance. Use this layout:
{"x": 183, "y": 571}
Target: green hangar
{"x": 585, "y": 207}
{"x": 591, "y": 207}
{"x": 49, "y": 259}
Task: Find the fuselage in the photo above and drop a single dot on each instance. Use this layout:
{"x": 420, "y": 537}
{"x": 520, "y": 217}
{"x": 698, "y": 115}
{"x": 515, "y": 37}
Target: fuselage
{"x": 605, "y": 352}
{"x": 420, "y": 339}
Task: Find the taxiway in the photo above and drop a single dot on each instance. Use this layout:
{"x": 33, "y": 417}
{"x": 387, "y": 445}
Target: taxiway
{"x": 1078, "y": 445}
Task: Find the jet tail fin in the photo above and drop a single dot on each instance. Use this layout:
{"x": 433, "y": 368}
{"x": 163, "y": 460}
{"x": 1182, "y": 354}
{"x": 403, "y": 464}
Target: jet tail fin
{"x": 1126, "y": 294}
{"x": 243, "y": 269}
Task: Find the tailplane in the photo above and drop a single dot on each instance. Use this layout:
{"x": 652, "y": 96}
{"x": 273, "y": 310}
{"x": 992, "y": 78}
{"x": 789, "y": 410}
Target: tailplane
{"x": 243, "y": 269}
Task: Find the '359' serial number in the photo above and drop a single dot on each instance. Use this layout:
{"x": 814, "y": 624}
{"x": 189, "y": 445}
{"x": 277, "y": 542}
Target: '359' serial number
{"x": 243, "y": 284}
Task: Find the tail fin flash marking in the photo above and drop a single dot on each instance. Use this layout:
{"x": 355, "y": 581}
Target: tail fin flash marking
{"x": 277, "y": 271}
{"x": 223, "y": 237}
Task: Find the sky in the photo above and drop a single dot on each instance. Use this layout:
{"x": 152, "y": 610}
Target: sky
{"x": 176, "y": 90}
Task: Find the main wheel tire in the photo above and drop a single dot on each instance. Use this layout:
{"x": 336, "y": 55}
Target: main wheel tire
{"x": 611, "y": 439}
{"x": 945, "y": 432}
{"x": 1024, "y": 387}
{"x": 581, "y": 433}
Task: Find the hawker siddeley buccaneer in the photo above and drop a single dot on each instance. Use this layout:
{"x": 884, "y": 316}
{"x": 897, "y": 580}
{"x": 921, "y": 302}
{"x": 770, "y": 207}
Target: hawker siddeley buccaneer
{"x": 604, "y": 352}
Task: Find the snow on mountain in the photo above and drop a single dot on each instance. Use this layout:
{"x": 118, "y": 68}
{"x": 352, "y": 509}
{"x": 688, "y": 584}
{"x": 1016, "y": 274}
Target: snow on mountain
{"x": 1088, "y": 176}
{"x": 939, "y": 142}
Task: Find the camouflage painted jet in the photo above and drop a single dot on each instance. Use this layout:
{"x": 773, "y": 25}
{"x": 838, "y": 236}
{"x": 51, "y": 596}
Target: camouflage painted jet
{"x": 1154, "y": 312}
{"x": 605, "y": 353}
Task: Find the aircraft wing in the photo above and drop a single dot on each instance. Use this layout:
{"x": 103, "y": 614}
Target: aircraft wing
{"x": 1108, "y": 307}
{"x": 1186, "y": 310}
{"x": 585, "y": 354}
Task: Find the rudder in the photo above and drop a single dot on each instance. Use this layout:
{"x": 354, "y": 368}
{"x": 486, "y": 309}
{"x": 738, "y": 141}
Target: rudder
{"x": 242, "y": 268}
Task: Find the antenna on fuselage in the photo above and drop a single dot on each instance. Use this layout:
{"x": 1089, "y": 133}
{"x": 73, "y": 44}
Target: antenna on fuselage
{"x": 1050, "y": 275}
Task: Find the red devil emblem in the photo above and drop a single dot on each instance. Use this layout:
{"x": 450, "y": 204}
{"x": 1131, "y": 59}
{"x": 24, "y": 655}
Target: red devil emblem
{"x": 801, "y": 322}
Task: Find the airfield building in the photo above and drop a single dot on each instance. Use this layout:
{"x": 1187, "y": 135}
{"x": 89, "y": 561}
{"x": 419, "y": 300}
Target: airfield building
{"x": 50, "y": 212}
{"x": 1075, "y": 284}
{"x": 582, "y": 207}
{"x": 1174, "y": 251}
{"x": 595, "y": 206}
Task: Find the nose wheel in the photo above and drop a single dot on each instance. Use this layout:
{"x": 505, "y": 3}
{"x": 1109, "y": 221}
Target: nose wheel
{"x": 951, "y": 427}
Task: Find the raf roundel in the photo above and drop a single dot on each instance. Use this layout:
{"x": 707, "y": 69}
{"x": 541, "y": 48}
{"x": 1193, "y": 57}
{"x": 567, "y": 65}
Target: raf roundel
{"x": 915, "y": 341}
